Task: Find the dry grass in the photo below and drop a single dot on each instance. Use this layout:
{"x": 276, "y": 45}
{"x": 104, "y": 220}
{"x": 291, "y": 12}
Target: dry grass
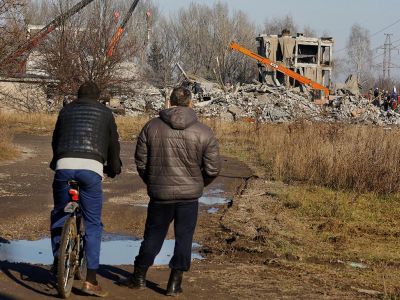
{"x": 129, "y": 127}
{"x": 338, "y": 156}
{"x": 7, "y": 149}
{"x": 30, "y": 123}
{"x": 43, "y": 124}
{"x": 314, "y": 229}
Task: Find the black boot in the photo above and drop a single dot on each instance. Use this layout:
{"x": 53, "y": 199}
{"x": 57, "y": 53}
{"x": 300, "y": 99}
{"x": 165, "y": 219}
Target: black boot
{"x": 137, "y": 280}
{"x": 174, "y": 283}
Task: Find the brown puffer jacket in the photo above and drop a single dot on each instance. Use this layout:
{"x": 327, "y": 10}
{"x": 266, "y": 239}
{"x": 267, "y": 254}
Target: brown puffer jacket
{"x": 176, "y": 154}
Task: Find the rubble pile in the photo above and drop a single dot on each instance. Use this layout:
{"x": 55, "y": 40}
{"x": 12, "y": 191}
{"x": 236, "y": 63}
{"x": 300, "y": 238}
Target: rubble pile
{"x": 267, "y": 103}
{"x": 144, "y": 99}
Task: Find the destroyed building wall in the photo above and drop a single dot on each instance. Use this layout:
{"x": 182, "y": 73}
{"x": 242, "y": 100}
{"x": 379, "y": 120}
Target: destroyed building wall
{"x": 310, "y": 57}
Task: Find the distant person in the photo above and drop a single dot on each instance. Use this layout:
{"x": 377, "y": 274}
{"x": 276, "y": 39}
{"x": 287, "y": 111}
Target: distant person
{"x": 84, "y": 139}
{"x": 376, "y": 92}
{"x": 386, "y": 104}
{"x": 394, "y": 94}
{"x": 198, "y": 90}
{"x": 176, "y": 156}
{"x": 370, "y": 94}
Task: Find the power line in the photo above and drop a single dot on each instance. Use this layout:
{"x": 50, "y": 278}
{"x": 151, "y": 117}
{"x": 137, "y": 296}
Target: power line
{"x": 374, "y": 34}
{"x": 382, "y": 30}
{"x": 377, "y": 48}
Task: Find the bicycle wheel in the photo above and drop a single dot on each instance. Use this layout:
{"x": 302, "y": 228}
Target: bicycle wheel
{"x": 67, "y": 258}
{"x": 82, "y": 267}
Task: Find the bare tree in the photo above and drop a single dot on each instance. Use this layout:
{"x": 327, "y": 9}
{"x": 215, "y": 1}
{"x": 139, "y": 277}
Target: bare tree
{"x": 199, "y": 34}
{"x": 359, "y": 53}
{"x": 277, "y": 25}
{"x": 77, "y": 50}
{"x": 11, "y": 25}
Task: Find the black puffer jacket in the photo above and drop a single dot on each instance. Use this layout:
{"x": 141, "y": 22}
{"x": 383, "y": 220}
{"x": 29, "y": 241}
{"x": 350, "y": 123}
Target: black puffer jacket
{"x": 176, "y": 155}
{"x": 86, "y": 128}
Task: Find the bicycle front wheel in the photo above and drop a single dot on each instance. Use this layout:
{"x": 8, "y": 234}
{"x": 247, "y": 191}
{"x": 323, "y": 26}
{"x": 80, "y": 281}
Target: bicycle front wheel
{"x": 67, "y": 257}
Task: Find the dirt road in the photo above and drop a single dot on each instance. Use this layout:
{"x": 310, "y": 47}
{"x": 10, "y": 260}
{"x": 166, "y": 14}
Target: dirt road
{"x": 26, "y": 201}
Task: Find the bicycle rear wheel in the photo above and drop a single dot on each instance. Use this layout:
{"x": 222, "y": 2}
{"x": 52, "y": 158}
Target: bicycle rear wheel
{"x": 82, "y": 266}
{"x": 67, "y": 258}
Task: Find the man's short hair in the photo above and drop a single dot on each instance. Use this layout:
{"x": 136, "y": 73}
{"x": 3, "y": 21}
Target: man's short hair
{"x": 180, "y": 96}
{"x": 89, "y": 89}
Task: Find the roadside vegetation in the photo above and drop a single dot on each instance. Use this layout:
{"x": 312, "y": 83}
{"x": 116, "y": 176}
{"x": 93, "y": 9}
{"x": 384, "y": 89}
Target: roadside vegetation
{"x": 337, "y": 156}
{"x": 7, "y": 149}
{"x": 344, "y": 241}
{"x": 346, "y": 157}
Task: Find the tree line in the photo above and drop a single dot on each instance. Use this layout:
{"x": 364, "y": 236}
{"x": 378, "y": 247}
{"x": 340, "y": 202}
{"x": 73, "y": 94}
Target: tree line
{"x": 196, "y": 36}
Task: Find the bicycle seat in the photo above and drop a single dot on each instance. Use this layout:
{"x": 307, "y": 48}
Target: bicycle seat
{"x": 73, "y": 184}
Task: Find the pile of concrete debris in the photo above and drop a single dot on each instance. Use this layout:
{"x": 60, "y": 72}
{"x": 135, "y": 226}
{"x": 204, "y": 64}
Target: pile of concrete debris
{"x": 267, "y": 103}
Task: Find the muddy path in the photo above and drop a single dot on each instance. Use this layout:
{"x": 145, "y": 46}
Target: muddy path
{"x": 26, "y": 201}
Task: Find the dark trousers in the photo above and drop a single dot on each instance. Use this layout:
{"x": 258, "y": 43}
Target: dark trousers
{"x": 91, "y": 201}
{"x": 159, "y": 216}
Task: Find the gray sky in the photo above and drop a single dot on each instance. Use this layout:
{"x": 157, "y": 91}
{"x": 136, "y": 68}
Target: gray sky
{"x": 324, "y": 16}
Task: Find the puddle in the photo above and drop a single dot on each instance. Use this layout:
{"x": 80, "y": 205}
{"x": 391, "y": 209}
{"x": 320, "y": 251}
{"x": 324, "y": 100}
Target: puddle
{"x": 211, "y": 197}
{"x": 214, "y": 196}
{"x": 357, "y": 265}
{"x": 115, "y": 250}
{"x": 212, "y": 210}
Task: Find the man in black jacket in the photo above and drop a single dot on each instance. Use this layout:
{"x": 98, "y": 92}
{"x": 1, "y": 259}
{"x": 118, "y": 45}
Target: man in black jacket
{"x": 84, "y": 140}
{"x": 176, "y": 156}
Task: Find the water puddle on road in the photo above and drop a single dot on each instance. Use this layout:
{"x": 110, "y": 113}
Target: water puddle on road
{"x": 213, "y": 210}
{"x": 115, "y": 250}
{"x": 211, "y": 197}
{"x": 215, "y": 196}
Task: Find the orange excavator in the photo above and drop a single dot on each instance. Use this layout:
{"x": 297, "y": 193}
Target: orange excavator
{"x": 38, "y": 37}
{"x": 269, "y": 63}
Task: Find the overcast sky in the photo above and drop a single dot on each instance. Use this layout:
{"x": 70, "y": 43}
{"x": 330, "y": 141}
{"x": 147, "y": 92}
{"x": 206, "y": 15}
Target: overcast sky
{"x": 324, "y": 16}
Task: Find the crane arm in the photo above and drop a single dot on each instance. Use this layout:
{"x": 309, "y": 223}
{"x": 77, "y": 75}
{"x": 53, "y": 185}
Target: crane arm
{"x": 120, "y": 30}
{"x": 38, "y": 37}
{"x": 280, "y": 68}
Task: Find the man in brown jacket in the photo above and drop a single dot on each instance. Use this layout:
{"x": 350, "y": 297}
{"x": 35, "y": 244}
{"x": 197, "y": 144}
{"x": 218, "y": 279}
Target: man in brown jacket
{"x": 176, "y": 156}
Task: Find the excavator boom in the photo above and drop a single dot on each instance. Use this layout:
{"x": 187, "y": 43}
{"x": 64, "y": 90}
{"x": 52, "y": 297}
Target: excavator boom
{"x": 38, "y": 37}
{"x": 118, "y": 34}
{"x": 280, "y": 68}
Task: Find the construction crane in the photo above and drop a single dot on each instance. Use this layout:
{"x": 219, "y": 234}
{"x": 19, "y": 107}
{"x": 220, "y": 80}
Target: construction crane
{"x": 38, "y": 37}
{"x": 118, "y": 34}
{"x": 281, "y": 68}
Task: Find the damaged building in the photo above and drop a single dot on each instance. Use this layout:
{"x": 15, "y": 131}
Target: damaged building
{"x": 310, "y": 57}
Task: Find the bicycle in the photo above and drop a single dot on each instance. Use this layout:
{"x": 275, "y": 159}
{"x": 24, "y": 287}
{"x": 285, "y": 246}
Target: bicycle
{"x": 72, "y": 262}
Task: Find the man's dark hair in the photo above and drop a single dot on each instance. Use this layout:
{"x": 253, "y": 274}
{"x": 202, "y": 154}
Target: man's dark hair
{"x": 89, "y": 90}
{"x": 180, "y": 96}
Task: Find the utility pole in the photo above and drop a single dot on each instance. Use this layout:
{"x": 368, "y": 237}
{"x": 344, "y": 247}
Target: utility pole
{"x": 385, "y": 48}
{"x": 387, "y": 56}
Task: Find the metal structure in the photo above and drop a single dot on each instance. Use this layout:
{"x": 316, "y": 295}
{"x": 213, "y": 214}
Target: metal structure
{"x": 39, "y": 36}
{"x": 118, "y": 34}
{"x": 279, "y": 67}
{"x": 387, "y": 64}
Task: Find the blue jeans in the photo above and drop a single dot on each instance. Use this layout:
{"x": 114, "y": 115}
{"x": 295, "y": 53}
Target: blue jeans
{"x": 91, "y": 201}
{"x": 159, "y": 216}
